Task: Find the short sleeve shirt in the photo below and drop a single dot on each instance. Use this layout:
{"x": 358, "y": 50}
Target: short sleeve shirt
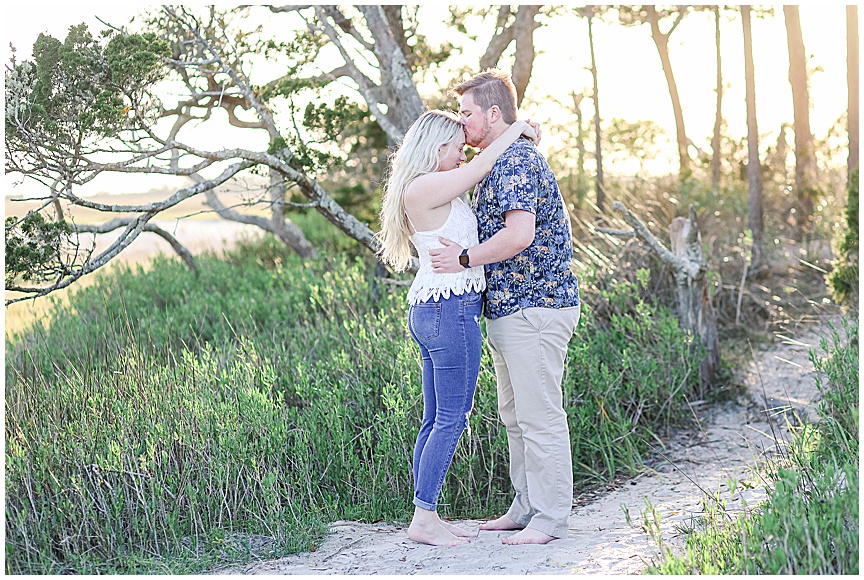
{"x": 540, "y": 275}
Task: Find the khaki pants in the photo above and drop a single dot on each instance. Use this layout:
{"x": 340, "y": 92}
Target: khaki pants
{"x": 528, "y": 349}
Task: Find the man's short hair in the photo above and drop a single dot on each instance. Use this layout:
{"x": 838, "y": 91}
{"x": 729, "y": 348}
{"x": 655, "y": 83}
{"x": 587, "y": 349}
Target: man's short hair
{"x": 491, "y": 87}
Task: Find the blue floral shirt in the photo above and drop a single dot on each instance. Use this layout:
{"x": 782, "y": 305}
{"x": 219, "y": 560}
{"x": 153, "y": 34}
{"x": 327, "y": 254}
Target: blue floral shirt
{"x": 540, "y": 275}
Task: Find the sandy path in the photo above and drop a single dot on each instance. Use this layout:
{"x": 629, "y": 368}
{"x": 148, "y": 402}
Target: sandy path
{"x": 601, "y": 541}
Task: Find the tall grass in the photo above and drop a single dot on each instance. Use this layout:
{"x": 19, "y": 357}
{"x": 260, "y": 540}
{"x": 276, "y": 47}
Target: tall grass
{"x": 160, "y": 422}
{"x": 809, "y": 522}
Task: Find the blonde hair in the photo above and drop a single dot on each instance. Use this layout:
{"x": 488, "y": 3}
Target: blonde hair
{"x": 417, "y": 155}
{"x": 491, "y": 87}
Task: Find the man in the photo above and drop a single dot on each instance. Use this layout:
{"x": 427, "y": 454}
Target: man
{"x": 532, "y": 307}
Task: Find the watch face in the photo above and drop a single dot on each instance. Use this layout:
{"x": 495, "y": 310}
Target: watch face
{"x": 463, "y": 259}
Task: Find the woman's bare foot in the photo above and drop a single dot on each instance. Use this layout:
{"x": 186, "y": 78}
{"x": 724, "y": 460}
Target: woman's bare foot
{"x": 502, "y": 523}
{"x": 528, "y": 536}
{"x": 426, "y": 528}
{"x": 456, "y": 530}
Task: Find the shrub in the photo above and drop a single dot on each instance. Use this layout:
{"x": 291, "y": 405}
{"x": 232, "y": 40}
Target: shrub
{"x": 844, "y": 278}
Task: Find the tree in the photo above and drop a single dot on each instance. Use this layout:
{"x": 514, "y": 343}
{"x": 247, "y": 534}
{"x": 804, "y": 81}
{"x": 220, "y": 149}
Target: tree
{"x": 718, "y": 111}
{"x": 852, "y": 85}
{"x": 581, "y": 178}
{"x": 393, "y": 100}
{"x": 209, "y": 54}
{"x": 805, "y": 163}
{"x": 754, "y": 168}
{"x": 520, "y": 28}
{"x": 630, "y": 15}
{"x": 589, "y": 13}
{"x": 716, "y": 137}
{"x": 127, "y": 119}
{"x": 598, "y": 151}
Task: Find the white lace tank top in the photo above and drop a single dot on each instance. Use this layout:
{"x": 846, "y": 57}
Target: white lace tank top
{"x": 461, "y": 227}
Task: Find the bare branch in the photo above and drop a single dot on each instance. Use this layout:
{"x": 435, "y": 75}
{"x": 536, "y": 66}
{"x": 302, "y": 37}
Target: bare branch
{"x": 288, "y": 8}
{"x": 134, "y": 226}
{"x": 642, "y": 232}
{"x": 283, "y": 229}
{"x": 117, "y": 223}
{"x": 133, "y": 229}
{"x": 614, "y": 232}
{"x": 500, "y": 41}
{"x": 682, "y": 9}
{"x": 367, "y": 88}
{"x": 231, "y": 71}
{"x": 524, "y": 34}
{"x": 158, "y": 206}
{"x": 347, "y": 26}
{"x": 49, "y": 201}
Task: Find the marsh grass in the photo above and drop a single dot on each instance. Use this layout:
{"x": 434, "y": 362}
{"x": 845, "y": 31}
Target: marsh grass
{"x": 809, "y": 521}
{"x": 162, "y": 423}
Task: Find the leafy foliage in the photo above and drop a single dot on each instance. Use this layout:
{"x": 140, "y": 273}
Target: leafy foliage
{"x": 633, "y": 140}
{"x": 34, "y": 248}
{"x": 78, "y": 89}
{"x": 844, "y": 278}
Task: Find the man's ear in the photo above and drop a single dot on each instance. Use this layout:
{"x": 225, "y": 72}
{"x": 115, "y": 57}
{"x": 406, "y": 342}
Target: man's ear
{"x": 494, "y": 113}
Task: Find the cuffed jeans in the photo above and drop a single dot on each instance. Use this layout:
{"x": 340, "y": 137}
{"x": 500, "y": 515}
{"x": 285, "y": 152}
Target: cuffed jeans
{"x": 448, "y": 333}
{"x": 528, "y": 349}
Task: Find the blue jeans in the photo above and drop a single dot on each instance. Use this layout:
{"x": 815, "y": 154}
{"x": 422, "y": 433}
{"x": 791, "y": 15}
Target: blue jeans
{"x": 448, "y": 333}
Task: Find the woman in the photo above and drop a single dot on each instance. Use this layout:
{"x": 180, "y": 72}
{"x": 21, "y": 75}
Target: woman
{"x": 421, "y": 203}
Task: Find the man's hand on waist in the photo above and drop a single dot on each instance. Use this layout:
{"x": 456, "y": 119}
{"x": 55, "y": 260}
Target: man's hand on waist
{"x": 446, "y": 260}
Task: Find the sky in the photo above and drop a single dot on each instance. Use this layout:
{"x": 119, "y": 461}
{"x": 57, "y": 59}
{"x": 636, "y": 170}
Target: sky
{"x": 632, "y": 85}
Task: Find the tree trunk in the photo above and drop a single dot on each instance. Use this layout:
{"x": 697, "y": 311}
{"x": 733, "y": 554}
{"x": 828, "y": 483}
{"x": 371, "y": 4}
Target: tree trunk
{"x": 804, "y": 161}
{"x": 694, "y": 309}
{"x": 662, "y": 42}
{"x": 580, "y": 149}
{"x": 399, "y": 92}
{"x": 718, "y": 116}
{"x": 779, "y": 159}
{"x": 522, "y": 31}
{"x": 852, "y": 83}
{"x": 754, "y": 169}
{"x": 524, "y": 61}
{"x": 598, "y": 152}
{"x": 283, "y": 227}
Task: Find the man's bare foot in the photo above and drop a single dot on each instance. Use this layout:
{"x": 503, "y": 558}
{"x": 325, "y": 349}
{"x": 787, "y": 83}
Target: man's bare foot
{"x": 502, "y": 523}
{"x": 528, "y": 536}
{"x": 456, "y": 530}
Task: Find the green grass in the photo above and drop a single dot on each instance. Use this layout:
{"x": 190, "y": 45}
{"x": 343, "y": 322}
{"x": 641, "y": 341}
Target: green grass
{"x": 809, "y": 522}
{"x": 159, "y": 422}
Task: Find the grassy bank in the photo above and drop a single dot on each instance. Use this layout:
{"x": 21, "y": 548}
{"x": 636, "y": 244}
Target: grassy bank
{"x": 158, "y": 422}
{"x": 809, "y": 523}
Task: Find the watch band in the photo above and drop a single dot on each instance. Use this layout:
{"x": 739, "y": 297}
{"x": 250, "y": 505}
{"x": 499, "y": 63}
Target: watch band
{"x": 463, "y": 259}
